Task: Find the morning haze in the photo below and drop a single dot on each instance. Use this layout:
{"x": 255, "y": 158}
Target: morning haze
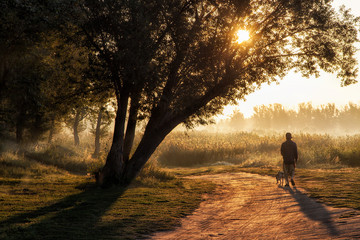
{"x": 112, "y": 120}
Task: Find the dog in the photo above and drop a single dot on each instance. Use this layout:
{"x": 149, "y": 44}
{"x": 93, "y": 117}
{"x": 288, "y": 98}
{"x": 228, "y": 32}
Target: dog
{"x": 280, "y": 178}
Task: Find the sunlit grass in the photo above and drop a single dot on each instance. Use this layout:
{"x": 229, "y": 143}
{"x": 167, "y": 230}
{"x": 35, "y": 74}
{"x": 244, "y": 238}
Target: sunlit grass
{"x": 251, "y": 150}
{"x": 71, "y": 206}
{"x": 45, "y": 188}
{"x": 41, "y": 197}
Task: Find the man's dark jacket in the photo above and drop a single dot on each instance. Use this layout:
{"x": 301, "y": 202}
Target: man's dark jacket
{"x": 289, "y": 152}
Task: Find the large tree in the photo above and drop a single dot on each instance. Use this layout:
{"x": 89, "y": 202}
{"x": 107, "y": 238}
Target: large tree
{"x": 178, "y": 61}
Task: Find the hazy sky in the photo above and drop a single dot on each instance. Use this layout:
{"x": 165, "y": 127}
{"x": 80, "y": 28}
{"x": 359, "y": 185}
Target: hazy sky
{"x": 295, "y": 89}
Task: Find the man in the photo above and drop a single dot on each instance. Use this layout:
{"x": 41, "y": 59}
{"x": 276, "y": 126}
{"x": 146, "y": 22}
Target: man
{"x": 290, "y": 157}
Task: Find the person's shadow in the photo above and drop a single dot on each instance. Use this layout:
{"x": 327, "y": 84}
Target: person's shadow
{"x": 313, "y": 210}
{"x": 74, "y": 217}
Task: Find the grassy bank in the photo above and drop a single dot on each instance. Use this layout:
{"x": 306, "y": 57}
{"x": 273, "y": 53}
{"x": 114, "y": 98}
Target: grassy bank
{"x": 47, "y": 195}
{"x": 57, "y": 206}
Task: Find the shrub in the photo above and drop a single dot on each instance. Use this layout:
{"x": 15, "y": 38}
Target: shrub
{"x": 152, "y": 174}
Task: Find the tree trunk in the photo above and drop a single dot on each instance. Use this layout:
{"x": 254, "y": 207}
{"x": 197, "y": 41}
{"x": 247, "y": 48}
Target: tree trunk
{"x": 150, "y": 141}
{"x": 113, "y": 170}
{"x": 75, "y": 128}
{"x": 161, "y": 123}
{"x": 97, "y": 134}
{"x": 51, "y": 131}
{"x": 119, "y": 171}
{"x": 5, "y": 73}
{"x": 20, "y": 125}
{"x": 131, "y": 126}
{"x": 36, "y": 129}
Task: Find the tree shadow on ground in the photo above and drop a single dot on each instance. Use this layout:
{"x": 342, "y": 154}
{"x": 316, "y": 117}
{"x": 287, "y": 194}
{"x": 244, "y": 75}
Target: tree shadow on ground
{"x": 74, "y": 217}
{"x": 313, "y": 210}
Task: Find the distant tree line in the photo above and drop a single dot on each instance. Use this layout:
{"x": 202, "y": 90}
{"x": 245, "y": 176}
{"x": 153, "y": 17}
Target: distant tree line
{"x": 324, "y": 118}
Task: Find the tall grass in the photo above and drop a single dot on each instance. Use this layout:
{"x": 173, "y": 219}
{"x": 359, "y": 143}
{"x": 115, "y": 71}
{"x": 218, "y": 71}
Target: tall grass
{"x": 15, "y": 165}
{"x": 190, "y": 149}
{"x": 62, "y": 157}
{"x": 254, "y": 150}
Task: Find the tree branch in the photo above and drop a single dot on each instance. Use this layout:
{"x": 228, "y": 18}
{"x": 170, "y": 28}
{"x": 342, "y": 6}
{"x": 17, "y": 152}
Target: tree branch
{"x": 131, "y": 125}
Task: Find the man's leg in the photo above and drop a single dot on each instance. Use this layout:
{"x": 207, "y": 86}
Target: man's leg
{"x": 292, "y": 173}
{"x": 286, "y": 174}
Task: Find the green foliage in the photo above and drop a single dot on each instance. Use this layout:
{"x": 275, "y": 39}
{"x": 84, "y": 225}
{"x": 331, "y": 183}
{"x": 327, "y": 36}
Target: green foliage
{"x": 23, "y": 104}
{"x": 43, "y": 75}
{"x": 24, "y": 101}
{"x": 39, "y": 159}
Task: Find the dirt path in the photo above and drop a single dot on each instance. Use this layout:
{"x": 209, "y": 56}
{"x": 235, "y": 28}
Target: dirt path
{"x": 248, "y": 206}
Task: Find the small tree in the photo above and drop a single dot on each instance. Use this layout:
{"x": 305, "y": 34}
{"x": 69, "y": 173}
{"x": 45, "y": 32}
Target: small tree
{"x": 350, "y": 117}
{"x": 24, "y": 102}
{"x": 72, "y": 86}
{"x": 75, "y": 121}
{"x": 101, "y": 119}
{"x": 37, "y": 68}
{"x": 237, "y": 121}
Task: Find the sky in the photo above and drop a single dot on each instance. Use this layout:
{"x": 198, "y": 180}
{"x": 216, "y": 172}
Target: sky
{"x": 295, "y": 89}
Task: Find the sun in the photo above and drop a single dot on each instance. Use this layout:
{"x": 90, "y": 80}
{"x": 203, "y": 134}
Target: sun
{"x": 242, "y": 36}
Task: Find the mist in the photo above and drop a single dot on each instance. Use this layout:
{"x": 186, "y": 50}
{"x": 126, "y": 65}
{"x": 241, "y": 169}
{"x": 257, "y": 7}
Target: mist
{"x": 323, "y": 119}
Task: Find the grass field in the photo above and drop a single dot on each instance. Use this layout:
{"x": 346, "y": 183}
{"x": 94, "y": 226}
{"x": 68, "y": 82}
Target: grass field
{"x": 46, "y": 194}
{"x": 45, "y": 191}
{"x": 69, "y": 206}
